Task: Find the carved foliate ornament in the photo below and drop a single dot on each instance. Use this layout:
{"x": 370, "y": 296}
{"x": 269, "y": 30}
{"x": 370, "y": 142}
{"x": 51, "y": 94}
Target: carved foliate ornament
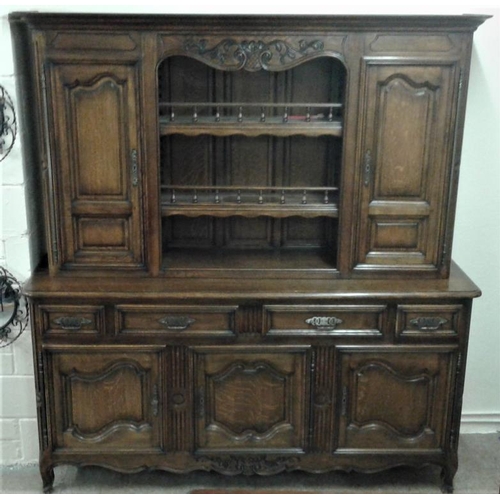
{"x": 252, "y": 55}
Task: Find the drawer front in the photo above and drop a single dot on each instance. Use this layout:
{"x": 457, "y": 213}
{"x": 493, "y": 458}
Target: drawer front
{"x": 342, "y": 320}
{"x": 175, "y": 320}
{"x": 64, "y": 320}
{"x": 428, "y": 320}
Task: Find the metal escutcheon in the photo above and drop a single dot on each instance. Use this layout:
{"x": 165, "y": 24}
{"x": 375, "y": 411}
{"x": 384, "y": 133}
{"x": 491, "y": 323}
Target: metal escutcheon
{"x": 324, "y": 322}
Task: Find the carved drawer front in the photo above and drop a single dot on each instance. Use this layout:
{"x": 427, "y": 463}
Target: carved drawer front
{"x": 426, "y": 321}
{"x": 363, "y": 320}
{"x": 393, "y": 399}
{"x": 106, "y": 400}
{"x": 175, "y": 320}
{"x": 64, "y": 320}
{"x": 250, "y": 398}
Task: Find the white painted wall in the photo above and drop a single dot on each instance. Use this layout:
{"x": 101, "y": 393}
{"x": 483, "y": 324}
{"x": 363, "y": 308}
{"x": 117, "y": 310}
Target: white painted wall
{"x": 477, "y": 229}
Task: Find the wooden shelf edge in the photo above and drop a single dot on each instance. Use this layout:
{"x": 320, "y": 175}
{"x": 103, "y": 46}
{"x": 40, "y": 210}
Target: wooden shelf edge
{"x": 333, "y": 129}
{"x": 308, "y": 211}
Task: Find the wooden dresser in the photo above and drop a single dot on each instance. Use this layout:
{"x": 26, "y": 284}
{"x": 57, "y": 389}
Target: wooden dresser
{"x": 245, "y": 229}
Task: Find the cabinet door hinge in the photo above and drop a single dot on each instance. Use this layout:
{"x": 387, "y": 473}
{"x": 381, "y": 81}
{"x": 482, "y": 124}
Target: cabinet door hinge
{"x": 200, "y": 403}
{"x": 40, "y": 384}
{"x": 44, "y": 80}
{"x": 134, "y": 167}
{"x": 313, "y": 363}
{"x": 345, "y": 395}
{"x": 40, "y": 366}
{"x": 155, "y": 401}
{"x": 367, "y": 167}
{"x": 55, "y": 251}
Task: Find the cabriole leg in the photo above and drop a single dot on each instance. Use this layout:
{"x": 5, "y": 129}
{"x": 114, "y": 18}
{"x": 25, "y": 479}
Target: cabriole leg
{"x": 447, "y": 475}
{"x": 47, "y": 472}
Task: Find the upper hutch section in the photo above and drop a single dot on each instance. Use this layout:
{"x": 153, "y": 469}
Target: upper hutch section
{"x": 268, "y": 146}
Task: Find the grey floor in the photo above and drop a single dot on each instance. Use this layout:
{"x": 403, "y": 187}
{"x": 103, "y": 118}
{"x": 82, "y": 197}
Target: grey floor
{"x": 478, "y": 472}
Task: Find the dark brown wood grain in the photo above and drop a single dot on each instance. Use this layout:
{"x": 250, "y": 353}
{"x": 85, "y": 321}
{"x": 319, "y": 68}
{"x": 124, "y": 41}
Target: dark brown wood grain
{"x": 94, "y": 111}
{"x": 245, "y": 264}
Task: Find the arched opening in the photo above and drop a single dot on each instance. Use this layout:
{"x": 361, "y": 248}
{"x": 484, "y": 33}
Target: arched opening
{"x": 250, "y": 164}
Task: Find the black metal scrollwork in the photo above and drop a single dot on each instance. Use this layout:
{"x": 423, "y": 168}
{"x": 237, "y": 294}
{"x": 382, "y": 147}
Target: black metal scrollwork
{"x": 14, "y": 311}
{"x": 8, "y": 124}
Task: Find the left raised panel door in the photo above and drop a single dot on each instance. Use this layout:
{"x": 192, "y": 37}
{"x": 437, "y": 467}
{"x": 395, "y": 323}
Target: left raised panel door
{"x": 95, "y": 158}
{"x": 106, "y": 401}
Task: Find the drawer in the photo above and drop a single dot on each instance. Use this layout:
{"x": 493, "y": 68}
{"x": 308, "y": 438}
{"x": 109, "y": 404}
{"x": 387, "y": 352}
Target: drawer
{"x": 64, "y": 320}
{"x": 341, "y": 320}
{"x": 428, "y": 320}
{"x": 175, "y": 320}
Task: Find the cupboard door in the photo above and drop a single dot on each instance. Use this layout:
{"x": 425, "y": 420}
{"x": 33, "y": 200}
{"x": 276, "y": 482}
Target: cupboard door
{"x": 106, "y": 401}
{"x": 395, "y": 399}
{"x": 404, "y": 158}
{"x": 96, "y": 157}
{"x": 251, "y": 398}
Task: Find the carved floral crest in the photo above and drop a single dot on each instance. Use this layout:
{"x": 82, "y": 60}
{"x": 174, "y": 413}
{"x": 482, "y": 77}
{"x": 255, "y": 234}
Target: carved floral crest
{"x": 252, "y": 55}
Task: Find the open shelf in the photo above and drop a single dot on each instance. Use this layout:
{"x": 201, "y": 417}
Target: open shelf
{"x": 250, "y": 168}
{"x": 248, "y": 259}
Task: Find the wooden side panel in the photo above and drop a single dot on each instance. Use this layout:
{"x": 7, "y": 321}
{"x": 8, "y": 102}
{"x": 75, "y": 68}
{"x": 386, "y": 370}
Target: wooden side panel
{"x": 251, "y": 399}
{"x": 394, "y": 400}
{"x": 106, "y": 401}
{"x": 97, "y": 159}
{"x": 405, "y": 159}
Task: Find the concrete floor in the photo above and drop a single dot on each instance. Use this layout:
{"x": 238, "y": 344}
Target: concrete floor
{"x": 478, "y": 472}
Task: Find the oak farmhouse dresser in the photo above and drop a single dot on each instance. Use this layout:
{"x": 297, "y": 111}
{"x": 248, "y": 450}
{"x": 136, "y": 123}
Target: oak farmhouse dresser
{"x": 244, "y": 236}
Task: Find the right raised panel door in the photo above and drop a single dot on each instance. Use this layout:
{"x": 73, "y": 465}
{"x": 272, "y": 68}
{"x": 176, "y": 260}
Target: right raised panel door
{"x": 405, "y": 153}
{"x": 395, "y": 399}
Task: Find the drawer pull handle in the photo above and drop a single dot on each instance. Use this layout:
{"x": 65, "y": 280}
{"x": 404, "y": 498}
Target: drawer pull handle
{"x": 71, "y": 323}
{"x": 324, "y": 322}
{"x": 427, "y": 323}
{"x": 177, "y": 322}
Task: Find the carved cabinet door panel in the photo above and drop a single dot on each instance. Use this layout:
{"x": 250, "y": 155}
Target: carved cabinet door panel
{"x": 394, "y": 400}
{"x": 405, "y": 153}
{"x": 95, "y": 161}
{"x": 251, "y": 398}
{"x": 106, "y": 401}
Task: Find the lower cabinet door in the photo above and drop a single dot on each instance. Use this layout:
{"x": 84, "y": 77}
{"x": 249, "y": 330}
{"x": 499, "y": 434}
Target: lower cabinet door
{"x": 106, "y": 400}
{"x": 395, "y": 399}
{"x": 251, "y": 398}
